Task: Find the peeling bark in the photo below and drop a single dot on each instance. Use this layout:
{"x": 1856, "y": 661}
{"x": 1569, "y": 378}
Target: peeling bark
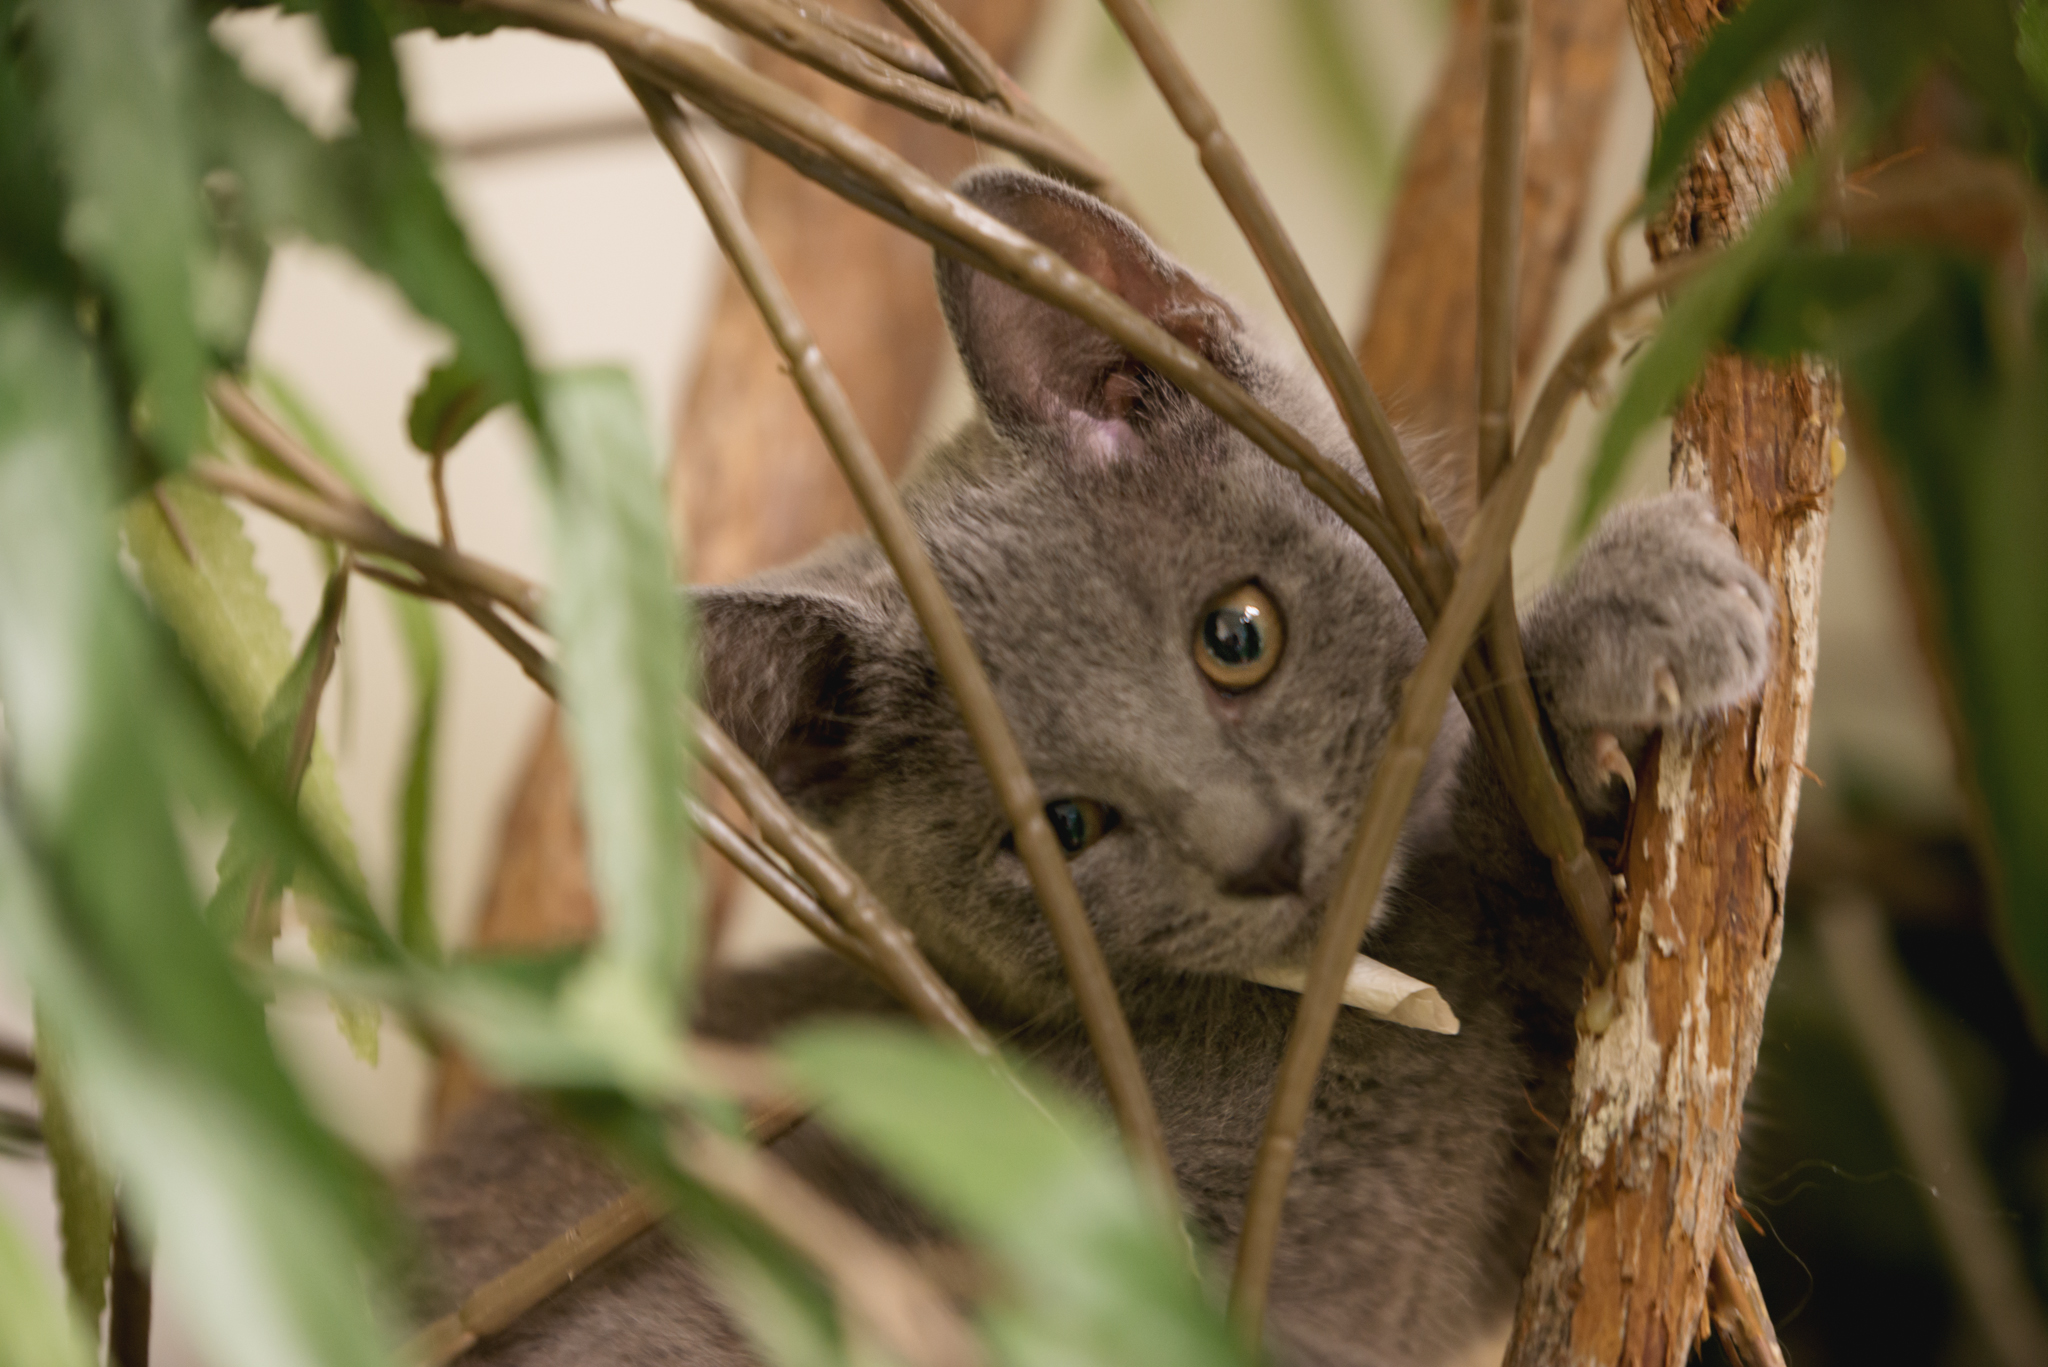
{"x": 751, "y": 484}
{"x": 1640, "y": 1191}
{"x": 1421, "y": 341}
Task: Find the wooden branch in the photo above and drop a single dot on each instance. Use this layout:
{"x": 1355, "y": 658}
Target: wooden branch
{"x": 1624, "y": 1254}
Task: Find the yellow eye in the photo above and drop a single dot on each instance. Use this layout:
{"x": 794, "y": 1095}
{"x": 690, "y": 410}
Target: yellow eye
{"x": 1239, "y": 638}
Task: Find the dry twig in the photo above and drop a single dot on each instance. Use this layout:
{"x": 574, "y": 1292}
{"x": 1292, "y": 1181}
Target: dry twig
{"x": 1087, "y": 972}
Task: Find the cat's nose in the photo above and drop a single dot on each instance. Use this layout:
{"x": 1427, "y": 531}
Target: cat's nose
{"x": 1276, "y": 870}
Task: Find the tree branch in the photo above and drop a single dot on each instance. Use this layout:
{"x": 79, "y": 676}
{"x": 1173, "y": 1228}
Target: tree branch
{"x": 1635, "y": 1217}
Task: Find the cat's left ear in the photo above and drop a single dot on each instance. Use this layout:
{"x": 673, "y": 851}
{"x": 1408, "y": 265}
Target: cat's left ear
{"x": 1037, "y": 367}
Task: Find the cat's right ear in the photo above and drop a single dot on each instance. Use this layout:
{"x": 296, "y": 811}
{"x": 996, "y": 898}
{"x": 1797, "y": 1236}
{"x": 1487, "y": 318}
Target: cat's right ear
{"x": 781, "y": 665}
{"x": 1035, "y": 366}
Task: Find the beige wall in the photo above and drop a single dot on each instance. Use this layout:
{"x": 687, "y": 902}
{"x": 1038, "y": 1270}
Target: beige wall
{"x": 604, "y": 259}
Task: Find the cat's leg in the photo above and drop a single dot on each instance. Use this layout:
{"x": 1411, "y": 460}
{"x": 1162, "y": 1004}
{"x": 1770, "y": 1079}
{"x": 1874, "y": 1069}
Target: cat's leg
{"x": 1659, "y": 623}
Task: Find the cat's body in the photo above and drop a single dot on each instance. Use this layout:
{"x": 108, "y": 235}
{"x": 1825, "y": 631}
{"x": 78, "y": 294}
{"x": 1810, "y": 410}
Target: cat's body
{"x": 1087, "y": 526}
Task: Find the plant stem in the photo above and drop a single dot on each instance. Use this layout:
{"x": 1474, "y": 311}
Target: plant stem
{"x": 791, "y": 895}
{"x": 499, "y": 1302}
{"x": 887, "y": 44}
{"x": 972, "y": 69}
{"x": 792, "y": 33}
{"x": 259, "y": 922}
{"x": 996, "y": 744}
{"x": 356, "y": 524}
{"x": 875, "y": 1280}
{"x": 725, "y": 89}
{"x": 1231, "y": 174}
{"x": 1393, "y": 783}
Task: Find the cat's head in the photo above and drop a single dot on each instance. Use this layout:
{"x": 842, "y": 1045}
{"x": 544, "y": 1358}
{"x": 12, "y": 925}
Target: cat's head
{"x": 1199, "y": 660}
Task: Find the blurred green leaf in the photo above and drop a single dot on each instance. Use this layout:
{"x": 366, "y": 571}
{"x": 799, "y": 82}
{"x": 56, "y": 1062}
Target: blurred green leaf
{"x": 218, "y": 603}
{"x": 85, "y": 1193}
{"x": 454, "y": 398}
{"x": 1098, "y": 1274}
{"x": 36, "y": 1329}
{"x": 118, "y": 102}
{"x": 412, "y": 234}
{"x": 618, "y": 620}
{"x": 32, "y": 210}
{"x": 1697, "y": 322}
{"x": 173, "y": 1066}
{"x": 245, "y": 862}
{"x": 416, "y": 925}
{"x": 421, "y": 639}
{"x": 1962, "y": 413}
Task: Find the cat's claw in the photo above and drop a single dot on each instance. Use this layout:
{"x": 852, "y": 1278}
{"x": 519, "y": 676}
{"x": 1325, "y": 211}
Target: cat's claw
{"x": 1609, "y": 758}
{"x": 1666, "y": 684}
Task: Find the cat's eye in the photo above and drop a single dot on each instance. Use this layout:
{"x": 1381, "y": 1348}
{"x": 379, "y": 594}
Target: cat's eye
{"x": 1239, "y": 638}
{"x": 1077, "y": 823}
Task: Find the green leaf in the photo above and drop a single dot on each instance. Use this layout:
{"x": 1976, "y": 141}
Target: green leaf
{"x": 32, "y": 210}
{"x": 246, "y": 862}
{"x": 412, "y": 234}
{"x": 85, "y": 1193}
{"x": 1747, "y": 48}
{"x": 618, "y": 621}
{"x": 118, "y": 106}
{"x": 1697, "y": 322}
{"x": 455, "y": 397}
{"x": 416, "y": 926}
{"x": 218, "y": 603}
{"x": 422, "y": 642}
{"x": 1098, "y": 1273}
{"x": 172, "y": 1065}
{"x": 1962, "y": 417}
{"x": 36, "y": 1328}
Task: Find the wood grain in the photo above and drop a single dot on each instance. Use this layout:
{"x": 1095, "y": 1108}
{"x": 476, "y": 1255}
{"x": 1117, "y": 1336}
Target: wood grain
{"x": 1640, "y": 1190}
{"x": 751, "y": 484}
{"x": 1421, "y": 343}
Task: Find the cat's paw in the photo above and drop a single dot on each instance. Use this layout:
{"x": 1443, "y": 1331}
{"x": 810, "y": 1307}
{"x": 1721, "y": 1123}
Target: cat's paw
{"x": 1660, "y": 623}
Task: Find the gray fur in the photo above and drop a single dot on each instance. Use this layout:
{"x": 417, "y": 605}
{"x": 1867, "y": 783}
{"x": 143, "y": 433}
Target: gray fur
{"x": 1081, "y": 526}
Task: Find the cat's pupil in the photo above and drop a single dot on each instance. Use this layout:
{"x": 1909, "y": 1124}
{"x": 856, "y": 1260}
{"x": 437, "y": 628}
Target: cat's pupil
{"x": 1069, "y": 823}
{"x": 1233, "y": 636}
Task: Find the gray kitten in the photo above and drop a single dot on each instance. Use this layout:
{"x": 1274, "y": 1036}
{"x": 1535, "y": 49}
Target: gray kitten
{"x": 1201, "y": 663}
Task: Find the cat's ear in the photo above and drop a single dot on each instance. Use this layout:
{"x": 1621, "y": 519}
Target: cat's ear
{"x": 1033, "y": 365}
{"x": 781, "y": 665}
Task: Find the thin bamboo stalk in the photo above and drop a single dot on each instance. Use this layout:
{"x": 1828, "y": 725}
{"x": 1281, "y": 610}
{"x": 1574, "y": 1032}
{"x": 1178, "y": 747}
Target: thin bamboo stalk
{"x": 1487, "y": 547}
{"x": 360, "y": 526}
{"x": 723, "y": 87}
{"x": 794, "y": 34}
{"x": 892, "y": 47}
{"x": 1240, "y": 192}
{"x": 972, "y": 69}
{"x": 501, "y": 1301}
{"x": 473, "y": 585}
{"x": 881, "y": 1285}
{"x": 995, "y": 743}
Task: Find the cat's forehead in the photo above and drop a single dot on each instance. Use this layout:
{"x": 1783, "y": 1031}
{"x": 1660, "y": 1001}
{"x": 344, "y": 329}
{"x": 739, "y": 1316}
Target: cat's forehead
{"x": 1019, "y": 528}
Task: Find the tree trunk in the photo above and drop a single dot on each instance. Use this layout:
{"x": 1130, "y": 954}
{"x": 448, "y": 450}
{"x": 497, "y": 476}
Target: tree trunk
{"x": 1640, "y": 1192}
{"x": 751, "y": 484}
{"x": 1421, "y": 343}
